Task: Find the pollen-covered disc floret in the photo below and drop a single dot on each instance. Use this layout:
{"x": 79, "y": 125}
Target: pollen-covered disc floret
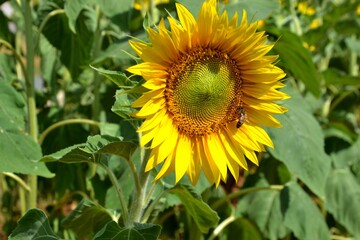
{"x": 203, "y": 75}
{"x": 210, "y": 90}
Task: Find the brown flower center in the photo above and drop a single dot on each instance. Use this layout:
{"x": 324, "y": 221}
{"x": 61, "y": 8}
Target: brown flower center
{"x": 203, "y": 91}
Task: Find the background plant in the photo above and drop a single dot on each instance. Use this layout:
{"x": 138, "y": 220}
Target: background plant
{"x": 65, "y": 100}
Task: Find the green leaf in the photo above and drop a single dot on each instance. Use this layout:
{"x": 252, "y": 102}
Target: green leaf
{"x": 76, "y": 48}
{"x": 18, "y": 150}
{"x": 297, "y": 60}
{"x": 112, "y": 8}
{"x": 301, "y": 214}
{"x": 72, "y": 154}
{"x": 7, "y": 68}
{"x": 87, "y": 218}
{"x": 72, "y": 10}
{"x": 263, "y": 207}
{"x": 299, "y": 144}
{"x": 33, "y": 225}
{"x": 203, "y": 215}
{"x": 137, "y": 232}
{"x": 94, "y": 146}
{"x": 335, "y": 76}
{"x": 255, "y": 9}
{"x": 48, "y": 60}
{"x": 122, "y": 105}
{"x": 119, "y": 78}
{"x": 343, "y": 200}
{"x": 5, "y": 34}
{"x": 243, "y": 229}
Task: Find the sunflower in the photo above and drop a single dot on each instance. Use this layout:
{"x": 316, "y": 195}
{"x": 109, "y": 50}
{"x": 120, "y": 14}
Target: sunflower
{"x": 210, "y": 89}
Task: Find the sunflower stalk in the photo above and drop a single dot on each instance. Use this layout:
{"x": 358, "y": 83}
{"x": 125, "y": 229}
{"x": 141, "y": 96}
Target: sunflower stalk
{"x": 123, "y": 204}
{"x": 139, "y": 204}
{"x": 30, "y": 92}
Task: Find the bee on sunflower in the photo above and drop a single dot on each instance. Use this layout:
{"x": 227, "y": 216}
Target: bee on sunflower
{"x": 199, "y": 73}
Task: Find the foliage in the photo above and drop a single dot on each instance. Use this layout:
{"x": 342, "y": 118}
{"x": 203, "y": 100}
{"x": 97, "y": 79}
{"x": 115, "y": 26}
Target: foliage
{"x": 66, "y": 117}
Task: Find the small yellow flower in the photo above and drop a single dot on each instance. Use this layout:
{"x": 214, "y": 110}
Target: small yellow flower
{"x": 261, "y": 24}
{"x": 358, "y": 9}
{"x": 211, "y": 88}
{"x": 143, "y": 5}
{"x": 305, "y": 9}
{"x": 315, "y": 23}
{"x": 311, "y": 48}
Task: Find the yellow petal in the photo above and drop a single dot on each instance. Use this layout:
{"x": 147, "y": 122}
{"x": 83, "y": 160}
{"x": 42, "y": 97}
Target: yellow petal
{"x": 167, "y": 167}
{"x": 152, "y": 121}
{"x": 151, "y": 107}
{"x": 214, "y": 151}
{"x": 166, "y": 126}
{"x": 141, "y": 101}
{"x": 233, "y": 150}
{"x": 186, "y": 18}
{"x": 183, "y": 156}
{"x": 200, "y": 154}
{"x": 147, "y": 68}
{"x": 169, "y": 144}
{"x": 259, "y": 134}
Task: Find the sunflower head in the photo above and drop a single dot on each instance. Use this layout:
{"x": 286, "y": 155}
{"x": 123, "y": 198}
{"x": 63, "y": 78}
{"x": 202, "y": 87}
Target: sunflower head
{"x": 211, "y": 88}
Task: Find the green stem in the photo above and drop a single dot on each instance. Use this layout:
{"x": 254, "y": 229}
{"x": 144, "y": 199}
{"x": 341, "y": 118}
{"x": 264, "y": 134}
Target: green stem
{"x": 230, "y": 196}
{"x": 46, "y": 19}
{"x": 221, "y": 227}
{"x": 65, "y": 122}
{"x": 32, "y": 117}
{"x": 96, "y": 107}
{"x": 17, "y": 56}
{"x": 297, "y": 26}
{"x": 139, "y": 203}
{"x": 123, "y": 204}
{"x": 353, "y": 65}
{"x": 18, "y": 180}
{"x": 151, "y": 207}
{"x": 22, "y": 198}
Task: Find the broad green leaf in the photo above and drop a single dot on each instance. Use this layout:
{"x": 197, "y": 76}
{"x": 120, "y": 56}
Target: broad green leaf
{"x": 203, "y": 215}
{"x": 122, "y": 105}
{"x": 7, "y": 68}
{"x": 243, "y": 229}
{"x": 18, "y": 150}
{"x": 76, "y": 48}
{"x": 255, "y": 9}
{"x": 343, "y": 200}
{"x": 263, "y": 207}
{"x": 297, "y": 60}
{"x": 48, "y": 60}
{"x": 137, "y": 232}
{"x": 335, "y": 76}
{"x": 119, "y": 78}
{"x": 95, "y": 145}
{"x": 347, "y": 26}
{"x": 72, "y": 154}
{"x": 109, "y": 145}
{"x": 347, "y": 157}
{"x": 111, "y": 8}
{"x": 87, "y": 218}
{"x": 301, "y": 215}
{"x": 33, "y": 225}
{"x": 299, "y": 144}
{"x": 4, "y": 29}
{"x": 72, "y": 10}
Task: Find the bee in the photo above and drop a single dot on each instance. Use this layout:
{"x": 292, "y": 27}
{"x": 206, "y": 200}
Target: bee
{"x": 242, "y": 117}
